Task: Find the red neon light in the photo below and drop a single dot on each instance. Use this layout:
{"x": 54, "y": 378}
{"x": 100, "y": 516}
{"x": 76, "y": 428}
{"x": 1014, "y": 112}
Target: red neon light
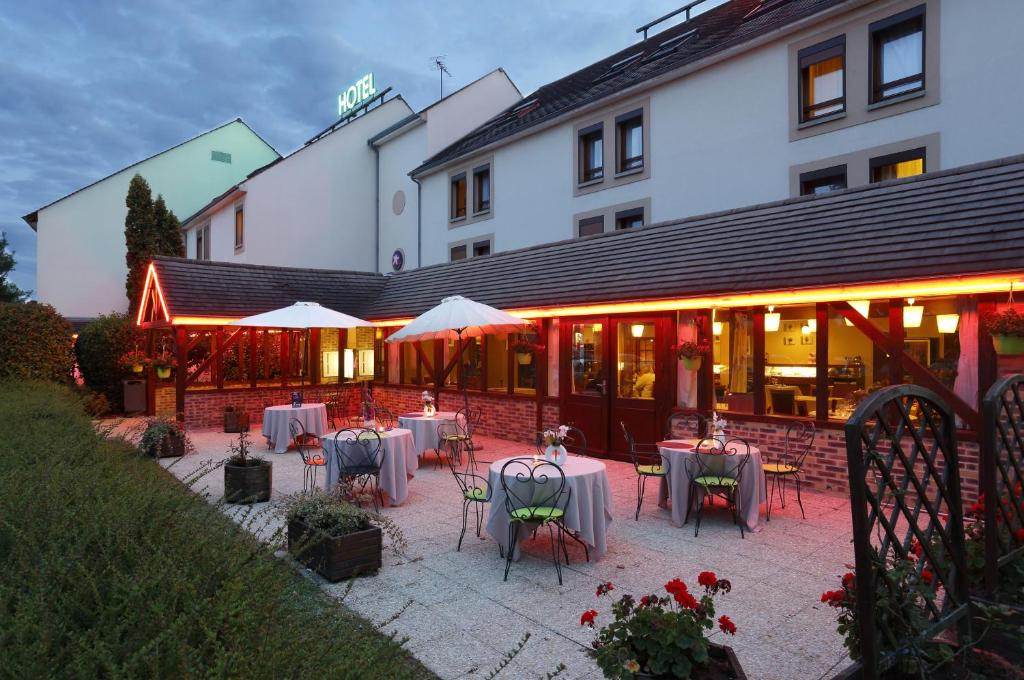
{"x": 151, "y": 277}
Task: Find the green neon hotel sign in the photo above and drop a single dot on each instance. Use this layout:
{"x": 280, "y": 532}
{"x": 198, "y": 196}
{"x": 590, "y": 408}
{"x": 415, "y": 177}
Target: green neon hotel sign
{"x": 357, "y": 93}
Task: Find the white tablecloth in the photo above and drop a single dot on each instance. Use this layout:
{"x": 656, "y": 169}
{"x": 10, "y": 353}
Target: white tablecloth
{"x": 313, "y": 417}
{"x": 751, "y": 492}
{"x": 397, "y": 468}
{"x": 424, "y": 429}
{"x": 589, "y": 511}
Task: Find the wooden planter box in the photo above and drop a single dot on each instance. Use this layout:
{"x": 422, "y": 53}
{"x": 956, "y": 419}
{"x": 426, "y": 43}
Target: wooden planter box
{"x": 247, "y": 483}
{"x": 172, "y": 446}
{"x": 336, "y": 558}
{"x": 718, "y": 652}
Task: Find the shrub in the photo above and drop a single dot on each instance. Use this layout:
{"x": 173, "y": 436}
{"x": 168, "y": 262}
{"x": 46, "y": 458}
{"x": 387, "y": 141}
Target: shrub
{"x": 111, "y": 568}
{"x": 35, "y": 342}
{"x": 100, "y": 347}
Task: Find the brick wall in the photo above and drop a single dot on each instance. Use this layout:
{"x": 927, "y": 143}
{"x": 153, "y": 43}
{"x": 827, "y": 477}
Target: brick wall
{"x": 205, "y": 409}
{"x": 165, "y": 402}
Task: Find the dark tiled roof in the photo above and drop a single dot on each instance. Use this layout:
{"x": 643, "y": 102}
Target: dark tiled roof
{"x": 967, "y": 220}
{"x": 194, "y": 288}
{"x": 716, "y": 30}
{"x": 962, "y": 221}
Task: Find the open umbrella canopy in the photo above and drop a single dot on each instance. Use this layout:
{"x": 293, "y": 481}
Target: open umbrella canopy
{"x": 458, "y": 317}
{"x": 302, "y": 315}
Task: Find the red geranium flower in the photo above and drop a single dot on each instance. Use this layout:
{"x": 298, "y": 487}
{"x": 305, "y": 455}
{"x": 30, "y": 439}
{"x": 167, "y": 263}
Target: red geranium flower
{"x": 927, "y": 576}
{"x": 916, "y": 547}
{"x": 833, "y": 598}
{"x": 646, "y": 600}
{"x": 676, "y": 586}
{"x": 726, "y": 624}
{"x": 1019, "y": 535}
{"x": 588, "y": 618}
{"x": 603, "y": 588}
{"x": 849, "y": 580}
{"x": 707, "y": 579}
{"x": 685, "y": 599}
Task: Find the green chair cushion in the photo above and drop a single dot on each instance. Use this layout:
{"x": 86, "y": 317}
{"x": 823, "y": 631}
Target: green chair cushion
{"x": 456, "y": 438}
{"x": 654, "y": 470}
{"x": 476, "y": 494}
{"x": 536, "y": 512}
{"x": 780, "y": 469}
{"x": 715, "y": 480}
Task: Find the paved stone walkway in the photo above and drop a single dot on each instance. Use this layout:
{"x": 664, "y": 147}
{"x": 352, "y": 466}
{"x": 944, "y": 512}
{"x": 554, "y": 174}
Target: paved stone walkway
{"x": 460, "y": 617}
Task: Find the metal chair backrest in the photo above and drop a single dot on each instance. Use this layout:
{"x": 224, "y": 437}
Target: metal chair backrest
{"x": 638, "y": 456}
{"x": 466, "y": 480}
{"x": 798, "y": 443}
{"x": 298, "y": 432}
{"x": 717, "y": 459}
{"x": 384, "y": 417}
{"x": 576, "y": 441}
{"x": 533, "y": 484}
{"x": 358, "y": 451}
{"x": 469, "y": 419}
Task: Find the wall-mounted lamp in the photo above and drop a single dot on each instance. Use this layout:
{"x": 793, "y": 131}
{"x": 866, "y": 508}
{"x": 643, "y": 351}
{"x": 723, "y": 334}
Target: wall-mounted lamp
{"x": 805, "y": 329}
{"x": 716, "y": 327}
{"x": 912, "y": 314}
{"x": 813, "y": 325}
{"x": 772, "y": 319}
{"x": 947, "y": 323}
{"x": 863, "y": 307}
{"x": 637, "y": 330}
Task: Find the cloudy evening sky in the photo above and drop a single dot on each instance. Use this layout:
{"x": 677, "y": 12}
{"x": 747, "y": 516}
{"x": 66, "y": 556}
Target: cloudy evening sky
{"x": 89, "y": 87}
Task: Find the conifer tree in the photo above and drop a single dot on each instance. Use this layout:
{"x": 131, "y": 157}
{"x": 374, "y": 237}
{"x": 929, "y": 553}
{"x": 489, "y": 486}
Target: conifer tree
{"x": 8, "y": 291}
{"x": 168, "y": 229}
{"x": 139, "y": 235}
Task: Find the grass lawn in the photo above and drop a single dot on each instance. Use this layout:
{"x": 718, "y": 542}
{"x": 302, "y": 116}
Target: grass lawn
{"x": 111, "y": 568}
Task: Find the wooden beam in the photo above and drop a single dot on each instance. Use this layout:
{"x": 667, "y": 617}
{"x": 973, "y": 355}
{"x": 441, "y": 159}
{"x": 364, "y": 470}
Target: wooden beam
{"x": 896, "y": 337}
{"x": 150, "y": 374}
{"x": 706, "y": 372}
{"x": 987, "y": 362}
{"x": 759, "y": 361}
{"x": 253, "y": 365}
{"x": 544, "y": 332}
{"x": 214, "y": 356}
{"x": 968, "y": 414}
{"x": 821, "y": 400}
{"x": 219, "y": 347}
{"x": 314, "y": 357}
{"x": 180, "y": 373}
{"x": 424, "y": 361}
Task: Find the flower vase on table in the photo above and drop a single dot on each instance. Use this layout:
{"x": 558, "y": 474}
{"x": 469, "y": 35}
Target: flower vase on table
{"x": 555, "y": 440}
{"x": 718, "y": 428}
{"x": 429, "y": 410}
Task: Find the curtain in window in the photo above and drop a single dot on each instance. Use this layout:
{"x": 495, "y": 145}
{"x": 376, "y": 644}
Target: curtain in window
{"x": 740, "y": 359}
{"x": 686, "y": 390}
{"x": 552, "y": 342}
{"x": 966, "y": 385}
{"x": 825, "y": 81}
{"x": 901, "y": 58}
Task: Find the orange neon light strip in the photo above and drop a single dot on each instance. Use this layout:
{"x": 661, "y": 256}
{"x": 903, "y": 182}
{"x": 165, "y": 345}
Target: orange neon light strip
{"x": 203, "y": 320}
{"x": 931, "y": 287}
{"x": 151, "y": 277}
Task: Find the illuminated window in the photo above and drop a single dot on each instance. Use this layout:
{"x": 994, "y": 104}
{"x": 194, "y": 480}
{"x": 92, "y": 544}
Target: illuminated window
{"x": 482, "y": 189}
{"x": 822, "y": 79}
{"x": 591, "y": 153}
{"x": 587, "y": 352}
{"x": 635, "y": 360}
{"x": 898, "y": 165}
{"x": 497, "y": 363}
{"x": 630, "y": 131}
{"x": 823, "y": 181}
{"x": 897, "y": 55}
{"x": 239, "y": 226}
{"x": 734, "y": 360}
{"x": 458, "y": 198}
{"x": 589, "y": 226}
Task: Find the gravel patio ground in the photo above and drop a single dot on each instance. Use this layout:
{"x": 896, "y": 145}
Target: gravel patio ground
{"x": 460, "y": 617}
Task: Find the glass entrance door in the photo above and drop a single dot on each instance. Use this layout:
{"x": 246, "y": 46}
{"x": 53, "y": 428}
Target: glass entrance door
{"x": 585, "y": 362}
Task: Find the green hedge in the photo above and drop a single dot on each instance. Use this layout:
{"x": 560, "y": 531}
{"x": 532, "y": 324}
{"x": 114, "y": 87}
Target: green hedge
{"x": 99, "y": 349}
{"x": 35, "y": 342}
{"x": 111, "y": 568}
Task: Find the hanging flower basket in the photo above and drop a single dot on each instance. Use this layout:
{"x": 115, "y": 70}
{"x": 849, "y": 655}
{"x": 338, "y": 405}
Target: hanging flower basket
{"x": 525, "y": 351}
{"x": 1007, "y": 331}
{"x": 1008, "y": 345}
{"x": 134, "y": 361}
{"x": 524, "y": 358}
{"x": 692, "y": 363}
{"x": 692, "y": 354}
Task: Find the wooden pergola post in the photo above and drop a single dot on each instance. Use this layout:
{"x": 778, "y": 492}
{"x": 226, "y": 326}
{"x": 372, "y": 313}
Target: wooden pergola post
{"x": 180, "y": 374}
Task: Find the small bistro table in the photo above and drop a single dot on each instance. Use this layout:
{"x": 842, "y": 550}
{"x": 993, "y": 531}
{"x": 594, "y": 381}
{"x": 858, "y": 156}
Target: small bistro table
{"x": 677, "y": 453}
{"x": 399, "y": 465}
{"x": 313, "y": 417}
{"x": 589, "y": 511}
{"x": 424, "y": 428}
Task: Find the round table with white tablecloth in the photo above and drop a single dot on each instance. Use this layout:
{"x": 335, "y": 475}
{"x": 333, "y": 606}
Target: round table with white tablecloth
{"x": 589, "y": 510}
{"x": 677, "y": 453}
{"x": 397, "y": 466}
{"x": 424, "y": 428}
{"x": 313, "y": 417}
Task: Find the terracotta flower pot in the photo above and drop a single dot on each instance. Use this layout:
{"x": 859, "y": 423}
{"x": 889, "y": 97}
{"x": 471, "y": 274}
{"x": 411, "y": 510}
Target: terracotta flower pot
{"x": 1008, "y": 345}
{"x": 336, "y": 557}
{"x": 692, "y": 363}
{"x": 247, "y": 483}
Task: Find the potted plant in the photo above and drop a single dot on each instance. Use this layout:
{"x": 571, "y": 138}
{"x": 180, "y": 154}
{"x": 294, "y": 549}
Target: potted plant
{"x": 525, "y": 350}
{"x": 665, "y": 636}
{"x": 164, "y": 438}
{"x": 134, "y": 361}
{"x": 246, "y": 478}
{"x": 335, "y": 537}
{"x": 692, "y": 353}
{"x": 1007, "y": 331}
{"x": 163, "y": 365}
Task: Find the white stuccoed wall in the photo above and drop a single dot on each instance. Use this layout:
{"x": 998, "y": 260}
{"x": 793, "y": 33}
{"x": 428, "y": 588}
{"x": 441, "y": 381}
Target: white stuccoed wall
{"x": 720, "y": 136}
{"x": 80, "y": 239}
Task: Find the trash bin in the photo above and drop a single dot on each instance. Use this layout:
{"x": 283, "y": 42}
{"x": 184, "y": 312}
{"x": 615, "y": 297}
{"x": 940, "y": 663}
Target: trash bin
{"x": 235, "y": 420}
{"x": 134, "y": 396}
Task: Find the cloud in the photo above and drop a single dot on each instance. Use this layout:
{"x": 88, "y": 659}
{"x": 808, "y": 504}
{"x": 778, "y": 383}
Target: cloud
{"x": 91, "y": 87}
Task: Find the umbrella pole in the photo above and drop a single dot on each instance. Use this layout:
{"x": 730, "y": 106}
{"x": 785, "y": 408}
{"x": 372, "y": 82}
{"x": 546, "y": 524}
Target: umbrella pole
{"x": 465, "y": 379}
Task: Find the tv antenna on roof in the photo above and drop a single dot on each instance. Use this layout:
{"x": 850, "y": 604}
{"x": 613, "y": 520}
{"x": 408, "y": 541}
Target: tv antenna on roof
{"x": 442, "y": 70}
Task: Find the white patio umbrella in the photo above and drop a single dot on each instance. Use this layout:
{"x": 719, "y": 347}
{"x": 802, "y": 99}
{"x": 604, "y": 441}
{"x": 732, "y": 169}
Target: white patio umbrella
{"x": 458, "y": 317}
{"x": 303, "y": 315}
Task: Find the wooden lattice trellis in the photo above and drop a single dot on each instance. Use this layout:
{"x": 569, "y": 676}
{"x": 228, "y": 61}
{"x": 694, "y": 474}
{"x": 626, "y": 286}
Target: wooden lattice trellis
{"x": 1002, "y": 474}
{"x": 906, "y": 503}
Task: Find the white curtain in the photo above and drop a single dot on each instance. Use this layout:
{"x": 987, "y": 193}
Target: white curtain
{"x": 966, "y": 385}
{"x": 740, "y": 359}
{"x": 394, "y": 356}
{"x": 901, "y": 58}
{"x": 552, "y": 342}
{"x": 686, "y": 390}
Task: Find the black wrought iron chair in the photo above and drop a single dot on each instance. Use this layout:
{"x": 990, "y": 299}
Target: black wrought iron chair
{"x": 790, "y": 464}
{"x": 360, "y": 457}
{"x": 476, "y": 490}
{"x": 311, "y": 462}
{"x": 384, "y": 417}
{"x": 453, "y": 440}
{"x": 470, "y": 420}
{"x": 647, "y": 462}
{"x": 334, "y": 403}
{"x": 535, "y": 493}
{"x": 716, "y": 469}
